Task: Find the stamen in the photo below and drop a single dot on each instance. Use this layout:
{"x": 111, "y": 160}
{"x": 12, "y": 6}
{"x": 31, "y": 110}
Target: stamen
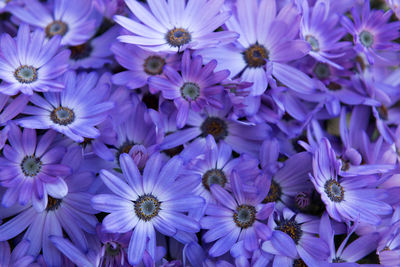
{"x": 291, "y": 228}
{"x": 190, "y": 91}
{"x": 213, "y": 176}
{"x": 113, "y": 249}
{"x": 81, "y": 51}
{"x": 334, "y": 190}
{"x": 178, "y": 37}
{"x": 147, "y": 207}
{"x": 299, "y": 263}
{"x": 26, "y": 74}
{"x": 313, "y": 42}
{"x": 255, "y": 56}
{"x": 244, "y": 216}
{"x": 153, "y": 65}
{"x": 216, "y": 127}
{"x": 366, "y": 38}
{"x": 62, "y": 116}
{"x": 338, "y": 260}
{"x": 31, "y": 166}
{"x": 57, "y": 27}
{"x": 53, "y": 203}
{"x": 322, "y": 71}
{"x": 274, "y": 193}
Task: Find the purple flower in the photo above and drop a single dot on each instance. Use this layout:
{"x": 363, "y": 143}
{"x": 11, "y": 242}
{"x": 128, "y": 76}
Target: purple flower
{"x": 69, "y": 18}
{"x": 319, "y": 28}
{"x": 293, "y": 239}
{"x": 140, "y": 64}
{"x": 348, "y": 198}
{"x": 31, "y": 63}
{"x": 195, "y": 88}
{"x": 174, "y": 25}
{"x": 372, "y": 32}
{"x": 74, "y": 112}
{"x": 243, "y": 137}
{"x": 31, "y": 171}
{"x": 71, "y": 214}
{"x": 265, "y": 45}
{"x": 18, "y": 257}
{"x": 145, "y": 203}
{"x": 235, "y": 216}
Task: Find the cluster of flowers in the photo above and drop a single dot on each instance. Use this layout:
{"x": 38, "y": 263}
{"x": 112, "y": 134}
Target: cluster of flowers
{"x": 199, "y": 133}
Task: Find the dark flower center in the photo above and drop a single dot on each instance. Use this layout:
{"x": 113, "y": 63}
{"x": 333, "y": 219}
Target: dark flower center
{"x": 53, "y": 203}
{"x": 81, "y": 51}
{"x": 26, "y": 74}
{"x": 338, "y": 260}
{"x": 216, "y": 127}
{"x": 178, "y": 37}
{"x": 147, "y": 207}
{"x": 366, "y": 38}
{"x": 291, "y": 228}
{"x": 244, "y": 216}
{"x": 255, "y": 56}
{"x": 313, "y": 42}
{"x": 334, "y": 190}
{"x": 274, "y": 193}
{"x": 153, "y": 65}
{"x": 213, "y": 176}
{"x": 113, "y": 249}
{"x": 322, "y": 71}
{"x": 299, "y": 263}
{"x": 62, "y": 116}
{"x": 57, "y": 27}
{"x": 31, "y": 166}
{"x": 190, "y": 91}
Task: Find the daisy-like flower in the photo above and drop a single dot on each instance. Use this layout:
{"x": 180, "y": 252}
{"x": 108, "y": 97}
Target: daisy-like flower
{"x": 175, "y": 25}
{"x": 293, "y": 240}
{"x": 31, "y": 63}
{"x": 71, "y": 214}
{"x": 237, "y": 216}
{"x": 372, "y": 33}
{"x": 241, "y": 136}
{"x": 267, "y": 42}
{"x": 70, "y": 19}
{"x": 347, "y": 198}
{"x": 140, "y": 64}
{"x": 18, "y": 257}
{"x": 31, "y": 171}
{"x": 154, "y": 201}
{"x": 319, "y": 28}
{"x": 74, "y": 112}
{"x": 196, "y": 87}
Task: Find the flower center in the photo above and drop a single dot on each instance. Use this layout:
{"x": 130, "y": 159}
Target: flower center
{"x": 322, "y": 71}
{"x": 113, "y": 249}
{"x": 81, "y": 51}
{"x": 216, "y": 127}
{"x": 338, "y": 260}
{"x": 274, "y": 193}
{"x": 26, "y": 74}
{"x": 53, "y": 203}
{"x": 334, "y": 190}
{"x": 291, "y": 228}
{"x": 366, "y": 38}
{"x": 178, "y": 37}
{"x": 244, "y": 216}
{"x": 153, "y": 65}
{"x": 255, "y": 56}
{"x": 62, "y": 116}
{"x": 147, "y": 207}
{"x": 313, "y": 42}
{"x": 57, "y": 27}
{"x": 213, "y": 176}
{"x": 302, "y": 200}
{"x": 190, "y": 91}
{"x": 31, "y": 166}
{"x": 299, "y": 263}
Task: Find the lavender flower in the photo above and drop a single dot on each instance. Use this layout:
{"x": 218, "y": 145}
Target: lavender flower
{"x": 31, "y": 63}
